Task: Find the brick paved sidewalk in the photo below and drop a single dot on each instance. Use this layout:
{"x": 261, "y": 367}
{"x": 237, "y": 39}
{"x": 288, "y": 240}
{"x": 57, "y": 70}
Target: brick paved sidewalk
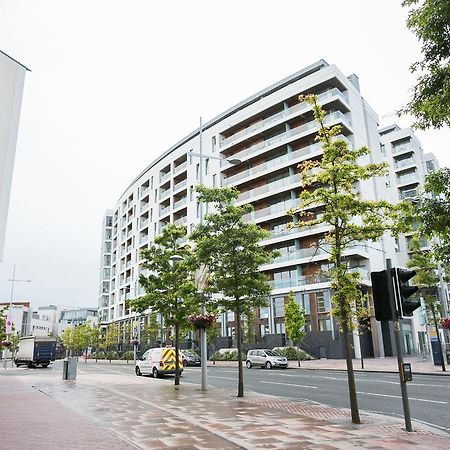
{"x": 152, "y": 414}
{"x": 31, "y": 420}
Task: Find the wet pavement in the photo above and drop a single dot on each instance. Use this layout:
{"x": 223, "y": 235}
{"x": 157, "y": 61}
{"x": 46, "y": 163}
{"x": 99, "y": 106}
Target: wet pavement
{"x": 116, "y": 410}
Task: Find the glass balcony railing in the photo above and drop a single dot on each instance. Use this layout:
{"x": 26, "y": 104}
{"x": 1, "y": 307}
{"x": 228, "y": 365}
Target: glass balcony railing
{"x": 164, "y": 211}
{"x": 331, "y": 117}
{"x": 143, "y": 239}
{"x": 409, "y": 193}
{"x": 179, "y": 185}
{"x": 143, "y": 223}
{"x": 263, "y": 123}
{"x": 164, "y": 194}
{"x": 180, "y": 202}
{"x": 402, "y": 148}
{"x": 144, "y": 207}
{"x": 301, "y": 281}
{"x": 407, "y": 178}
{"x": 164, "y": 177}
{"x": 404, "y": 163}
{"x": 270, "y": 187}
{"x": 180, "y": 167}
{"x": 144, "y": 191}
{"x": 180, "y": 221}
{"x": 273, "y": 209}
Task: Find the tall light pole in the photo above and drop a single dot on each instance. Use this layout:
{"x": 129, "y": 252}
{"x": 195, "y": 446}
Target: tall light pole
{"x": 203, "y": 340}
{"x": 9, "y": 324}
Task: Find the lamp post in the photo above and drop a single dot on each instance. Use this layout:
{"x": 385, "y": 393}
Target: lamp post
{"x": 203, "y": 340}
{"x": 9, "y": 324}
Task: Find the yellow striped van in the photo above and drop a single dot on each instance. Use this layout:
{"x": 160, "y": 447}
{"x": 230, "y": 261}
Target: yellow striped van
{"x": 158, "y": 361}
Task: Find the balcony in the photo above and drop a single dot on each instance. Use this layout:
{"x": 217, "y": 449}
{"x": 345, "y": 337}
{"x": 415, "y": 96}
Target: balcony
{"x": 143, "y": 239}
{"x": 180, "y": 168}
{"x": 303, "y": 107}
{"x": 404, "y": 163}
{"x": 164, "y": 194}
{"x": 164, "y": 177}
{"x": 276, "y": 162}
{"x": 144, "y": 192}
{"x": 308, "y": 126}
{"x": 179, "y": 185}
{"x": 144, "y": 207}
{"x": 402, "y": 148}
{"x": 293, "y": 179}
{"x": 408, "y": 178}
{"x": 273, "y": 209}
{"x": 301, "y": 281}
{"x": 409, "y": 193}
{"x": 143, "y": 223}
{"x": 181, "y": 221}
{"x": 164, "y": 211}
{"x": 180, "y": 203}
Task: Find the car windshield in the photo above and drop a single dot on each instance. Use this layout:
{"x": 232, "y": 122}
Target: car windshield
{"x": 271, "y": 353}
{"x": 191, "y": 354}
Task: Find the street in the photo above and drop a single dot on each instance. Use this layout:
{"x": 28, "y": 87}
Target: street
{"x": 429, "y": 396}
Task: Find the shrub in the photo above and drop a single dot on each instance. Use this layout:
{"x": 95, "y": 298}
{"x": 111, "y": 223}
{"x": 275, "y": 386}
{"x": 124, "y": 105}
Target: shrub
{"x": 292, "y": 353}
{"x": 127, "y": 355}
{"x": 99, "y": 355}
{"x": 112, "y": 355}
{"x": 227, "y": 356}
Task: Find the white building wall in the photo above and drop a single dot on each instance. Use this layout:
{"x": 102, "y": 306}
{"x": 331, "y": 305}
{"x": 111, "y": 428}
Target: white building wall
{"x": 12, "y": 77}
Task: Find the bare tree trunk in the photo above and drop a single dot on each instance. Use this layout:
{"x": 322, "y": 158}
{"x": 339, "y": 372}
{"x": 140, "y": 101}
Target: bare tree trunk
{"x": 433, "y": 311}
{"x": 177, "y": 367}
{"x": 350, "y": 373}
{"x": 239, "y": 349}
{"x": 361, "y": 350}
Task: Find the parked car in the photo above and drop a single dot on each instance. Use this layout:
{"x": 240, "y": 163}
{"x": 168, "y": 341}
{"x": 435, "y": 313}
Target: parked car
{"x": 158, "y": 361}
{"x": 265, "y": 358}
{"x": 190, "y": 358}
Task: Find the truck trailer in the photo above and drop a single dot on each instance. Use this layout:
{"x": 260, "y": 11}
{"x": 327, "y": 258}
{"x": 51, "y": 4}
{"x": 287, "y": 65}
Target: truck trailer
{"x": 34, "y": 351}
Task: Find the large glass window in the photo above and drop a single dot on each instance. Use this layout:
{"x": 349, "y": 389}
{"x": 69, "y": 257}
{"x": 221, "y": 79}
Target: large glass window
{"x": 323, "y": 301}
{"x": 278, "y": 305}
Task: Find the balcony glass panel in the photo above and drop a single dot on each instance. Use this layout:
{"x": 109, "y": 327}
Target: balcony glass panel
{"x": 261, "y": 124}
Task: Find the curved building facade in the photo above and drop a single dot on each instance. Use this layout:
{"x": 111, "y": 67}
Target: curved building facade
{"x": 270, "y": 133}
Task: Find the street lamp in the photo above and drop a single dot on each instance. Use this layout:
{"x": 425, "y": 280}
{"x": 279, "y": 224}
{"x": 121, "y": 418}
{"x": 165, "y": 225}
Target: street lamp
{"x": 203, "y": 340}
{"x": 9, "y": 324}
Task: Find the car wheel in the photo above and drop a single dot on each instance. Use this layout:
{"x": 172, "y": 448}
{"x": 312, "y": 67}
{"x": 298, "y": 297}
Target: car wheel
{"x": 268, "y": 365}
{"x": 45, "y": 364}
{"x": 155, "y": 372}
{"x": 248, "y": 364}
{"x": 138, "y": 371}
{"x": 185, "y": 363}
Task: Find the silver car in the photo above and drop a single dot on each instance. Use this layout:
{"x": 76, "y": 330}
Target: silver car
{"x": 265, "y": 358}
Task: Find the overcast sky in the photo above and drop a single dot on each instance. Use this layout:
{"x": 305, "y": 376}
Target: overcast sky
{"x": 115, "y": 83}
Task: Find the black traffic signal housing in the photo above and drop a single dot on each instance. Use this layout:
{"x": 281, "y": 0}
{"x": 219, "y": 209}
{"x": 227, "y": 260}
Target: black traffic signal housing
{"x": 380, "y": 294}
{"x": 405, "y": 305}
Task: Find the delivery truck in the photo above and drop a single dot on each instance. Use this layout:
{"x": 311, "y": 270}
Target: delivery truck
{"x": 35, "y": 351}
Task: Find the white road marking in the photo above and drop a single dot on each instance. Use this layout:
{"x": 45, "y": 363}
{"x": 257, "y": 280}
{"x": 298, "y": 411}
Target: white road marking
{"x": 289, "y": 384}
{"x": 223, "y": 378}
{"x": 397, "y": 396}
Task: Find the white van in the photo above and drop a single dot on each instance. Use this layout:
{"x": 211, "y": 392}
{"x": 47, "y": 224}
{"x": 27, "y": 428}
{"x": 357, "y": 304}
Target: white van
{"x": 158, "y": 361}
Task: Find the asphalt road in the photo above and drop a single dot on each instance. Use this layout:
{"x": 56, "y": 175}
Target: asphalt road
{"x": 429, "y": 395}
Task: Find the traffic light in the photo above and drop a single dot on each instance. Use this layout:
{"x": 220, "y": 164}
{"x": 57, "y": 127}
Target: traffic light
{"x": 380, "y": 293}
{"x": 406, "y": 305}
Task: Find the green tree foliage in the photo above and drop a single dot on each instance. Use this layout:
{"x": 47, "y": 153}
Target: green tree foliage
{"x": 329, "y": 186}
{"x": 111, "y": 337}
{"x": 295, "y": 320}
{"x": 429, "y": 20}
{"x": 150, "y": 331}
{"x": 96, "y": 338}
{"x": 76, "y": 339}
{"x": 170, "y": 287}
{"x": 3, "y": 315}
{"x": 433, "y": 212}
{"x": 230, "y": 249}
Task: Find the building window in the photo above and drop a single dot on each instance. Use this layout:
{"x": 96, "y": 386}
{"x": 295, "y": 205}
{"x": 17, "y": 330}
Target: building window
{"x": 213, "y": 142}
{"x": 383, "y": 150}
{"x": 198, "y": 210}
{"x": 197, "y": 171}
{"x": 430, "y": 165}
{"x": 214, "y": 180}
{"x": 323, "y": 301}
{"x": 206, "y": 166}
{"x": 280, "y": 328}
{"x": 278, "y": 306}
{"x": 191, "y": 193}
{"x": 324, "y": 325}
{"x": 264, "y": 313}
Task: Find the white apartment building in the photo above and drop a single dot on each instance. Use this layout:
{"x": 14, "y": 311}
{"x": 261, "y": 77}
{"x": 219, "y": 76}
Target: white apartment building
{"x": 270, "y": 133}
{"x": 409, "y": 165}
{"x": 12, "y": 78}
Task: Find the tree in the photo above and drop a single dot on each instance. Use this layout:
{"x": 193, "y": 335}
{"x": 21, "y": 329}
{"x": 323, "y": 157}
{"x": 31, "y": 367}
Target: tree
{"x": 329, "y": 196}
{"x": 295, "y": 320}
{"x": 111, "y": 338}
{"x": 363, "y": 313}
{"x": 96, "y": 339}
{"x": 427, "y": 279}
{"x": 430, "y": 103}
{"x": 76, "y": 338}
{"x": 433, "y": 212}
{"x": 170, "y": 287}
{"x": 149, "y": 333}
{"x": 230, "y": 249}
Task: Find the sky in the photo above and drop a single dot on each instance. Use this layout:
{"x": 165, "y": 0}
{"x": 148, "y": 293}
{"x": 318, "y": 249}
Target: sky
{"x": 115, "y": 83}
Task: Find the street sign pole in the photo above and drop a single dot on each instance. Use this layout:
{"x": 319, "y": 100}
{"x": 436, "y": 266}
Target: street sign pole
{"x": 395, "y": 302}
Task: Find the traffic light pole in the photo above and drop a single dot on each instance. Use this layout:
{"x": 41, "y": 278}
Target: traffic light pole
{"x": 392, "y": 301}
